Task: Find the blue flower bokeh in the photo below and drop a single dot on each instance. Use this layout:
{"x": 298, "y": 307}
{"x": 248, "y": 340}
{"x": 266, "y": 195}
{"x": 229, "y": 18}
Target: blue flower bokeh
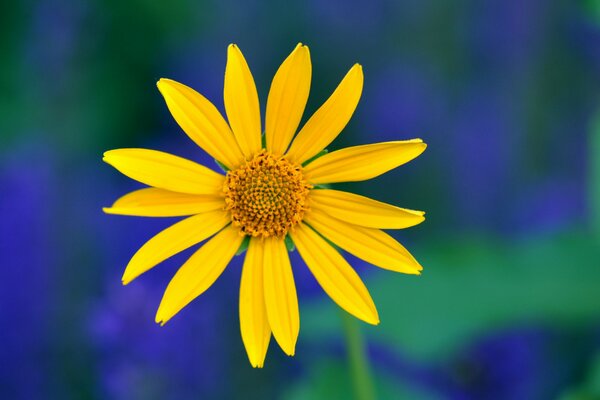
{"x": 505, "y": 94}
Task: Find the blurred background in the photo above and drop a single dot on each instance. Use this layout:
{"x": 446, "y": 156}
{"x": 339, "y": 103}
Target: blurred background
{"x": 506, "y": 94}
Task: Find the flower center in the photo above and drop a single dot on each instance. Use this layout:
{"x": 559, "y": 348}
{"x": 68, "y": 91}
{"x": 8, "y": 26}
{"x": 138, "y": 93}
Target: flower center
{"x": 266, "y": 196}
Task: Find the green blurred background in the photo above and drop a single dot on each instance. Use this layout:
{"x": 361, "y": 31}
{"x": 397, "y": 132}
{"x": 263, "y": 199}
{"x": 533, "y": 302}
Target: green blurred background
{"x": 506, "y": 94}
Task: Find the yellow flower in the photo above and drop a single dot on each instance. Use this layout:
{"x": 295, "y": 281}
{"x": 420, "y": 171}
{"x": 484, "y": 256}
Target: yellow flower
{"x": 271, "y": 192}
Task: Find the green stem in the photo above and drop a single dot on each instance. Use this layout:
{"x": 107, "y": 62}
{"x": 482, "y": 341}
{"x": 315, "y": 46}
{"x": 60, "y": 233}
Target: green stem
{"x": 357, "y": 357}
{"x": 594, "y": 174}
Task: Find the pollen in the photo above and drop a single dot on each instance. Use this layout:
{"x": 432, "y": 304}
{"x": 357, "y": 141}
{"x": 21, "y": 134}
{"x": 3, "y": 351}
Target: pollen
{"x": 266, "y": 196}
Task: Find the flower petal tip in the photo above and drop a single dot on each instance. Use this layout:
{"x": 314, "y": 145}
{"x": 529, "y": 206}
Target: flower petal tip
{"x": 421, "y": 143}
{"x": 108, "y": 157}
{"x": 371, "y": 319}
{"x": 159, "y": 319}
{"x": 161, "y": 83}
{"x": 109, "y": 153}
{"x": 422, "y": 146}
{"x": 126, "y": 279}
{"x": 290, "y": 350}
{"x": 374, "y": 318}
{"x": 414, "y": 269}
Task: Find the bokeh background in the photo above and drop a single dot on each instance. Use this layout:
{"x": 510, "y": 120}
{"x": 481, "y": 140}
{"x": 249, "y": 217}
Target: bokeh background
{"x": 506, "y": 94}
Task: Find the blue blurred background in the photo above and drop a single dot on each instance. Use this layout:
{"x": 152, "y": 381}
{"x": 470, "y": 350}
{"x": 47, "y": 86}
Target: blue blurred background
{"x": 506, "y": 94}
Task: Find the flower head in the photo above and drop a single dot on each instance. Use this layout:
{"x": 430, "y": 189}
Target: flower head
{"x": 266, "y": 196}
{"x": 272, "y": 193}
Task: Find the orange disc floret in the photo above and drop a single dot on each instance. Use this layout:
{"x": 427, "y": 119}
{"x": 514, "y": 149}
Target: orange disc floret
{"x": 266, "y": 196}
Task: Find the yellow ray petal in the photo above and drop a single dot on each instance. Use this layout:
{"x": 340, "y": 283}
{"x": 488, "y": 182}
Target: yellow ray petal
{"x": 201, "y": 121}
{"x": 256, "y": 332}
{"x": 241, "y": 102}
{"x": 280, "y": 295}
{"x": 199, "y": 272}
{"x": 372, "y": 245}
{"x": 359, "y": 163}
{"x": 152, "y": 202}
{"x": 335, "y": 275}
{"x": 165, "y": 171}
{"x": 287, "y": 99}
{"x": 173, "y": 240}
{"x": 363, "y": 211}
{"x": 329, "y": 120}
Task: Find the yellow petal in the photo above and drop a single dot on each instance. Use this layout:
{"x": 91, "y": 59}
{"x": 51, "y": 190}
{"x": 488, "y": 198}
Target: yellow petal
{"x": 329, "y": 120}
{"x": 256, "y": 332}
{"x": 199, "y": 272}
{"x": 359, "y": 163}
{"x": 173, "y": 240}
{"x": 372, "y": 245}
{"x": 280, "y": 295}
{"x": 241, "y": 102}
{"x": 287, "y": 99}
{"x": 363, "y": 211}
{"x": 165, "y": 171}
{"x": 152, "y": 202}
{"x": 201, "y": 121}
{"x": 335, "y": 275}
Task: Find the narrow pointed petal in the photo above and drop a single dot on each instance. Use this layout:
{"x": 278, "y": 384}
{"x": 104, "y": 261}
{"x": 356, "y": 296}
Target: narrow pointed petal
{"x": 198, "y": 273}
{"x": 372, "y": 245}
{"x": 363, "y": 211}
{"x": 360, "y": 163}
{"x": 287, "y": 99}
{"x": 201, "y": 121}
{"x": 329, "y": 120}
{"x": 173, "y": 240}
{"x": 335, "y": 275}
{"x": 241, "y": 102}
{"x": 152, "y": 202}
{"x": 280, "y": 295}
{"x": 254, "y": 325}
{"x": 165, "y": 171}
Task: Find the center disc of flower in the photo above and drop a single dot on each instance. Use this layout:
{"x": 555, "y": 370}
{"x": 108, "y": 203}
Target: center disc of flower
{"x": 266, "y": 196}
